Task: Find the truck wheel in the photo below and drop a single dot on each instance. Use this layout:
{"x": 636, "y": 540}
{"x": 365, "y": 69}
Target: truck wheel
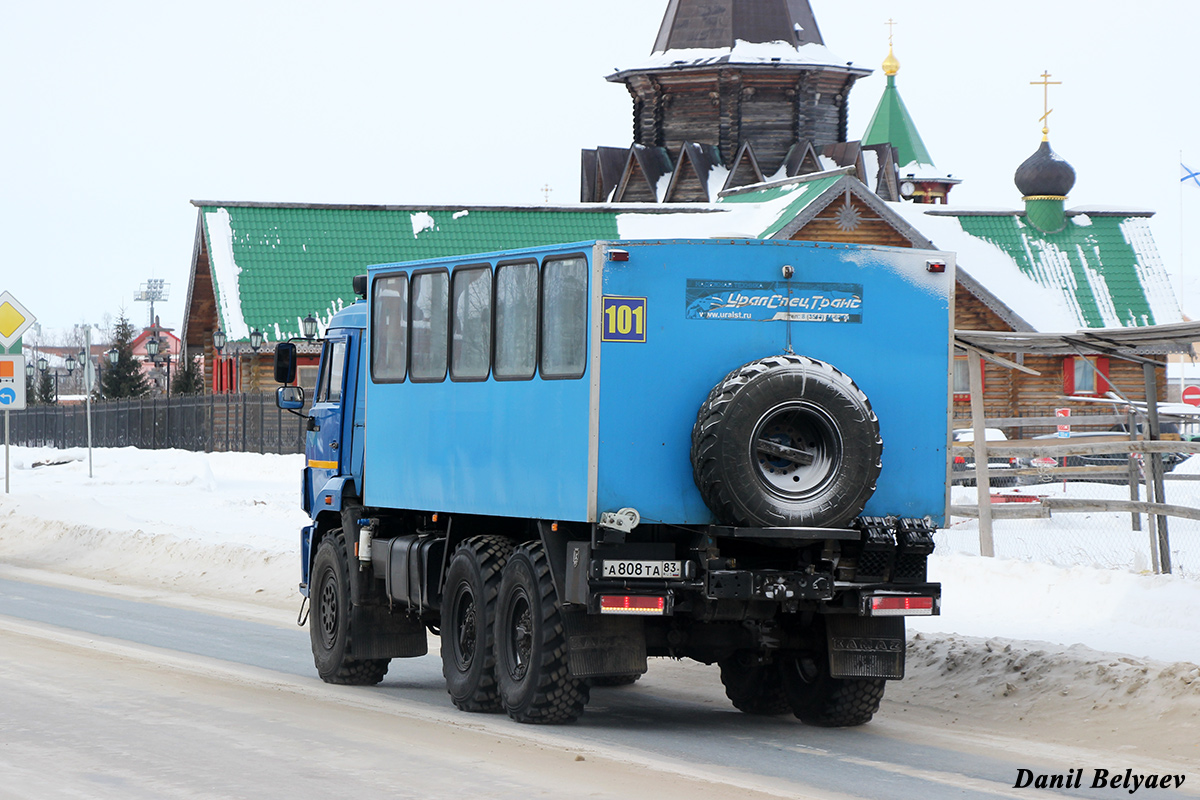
{"x": 468, "y": 621}
{"x": 786, "y": 441}
{"x": 753, "y": 688}
{"x": 531, "y": 644}
{"x": 818, "y": 699}
{"x": 329, "y": 621}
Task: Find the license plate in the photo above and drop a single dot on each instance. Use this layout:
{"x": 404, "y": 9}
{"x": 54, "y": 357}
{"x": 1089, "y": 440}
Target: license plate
{"x": 642, "y": 569}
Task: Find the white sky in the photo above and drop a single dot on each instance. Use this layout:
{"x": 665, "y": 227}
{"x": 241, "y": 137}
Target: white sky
{"x": 117, "y": 114}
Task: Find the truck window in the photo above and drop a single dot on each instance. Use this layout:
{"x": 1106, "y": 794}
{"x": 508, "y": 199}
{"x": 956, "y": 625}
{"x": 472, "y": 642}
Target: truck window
{"x": 389, "y": 329}
{"x": 430, "y": 303}
{"x": 516, "y": 321}
{"x": 564, "y": 317}
{"x": 471, "y": 342}
{"x": 334, "y": 359}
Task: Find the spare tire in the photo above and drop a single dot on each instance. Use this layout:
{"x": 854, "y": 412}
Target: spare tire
{"x": 786, "y": 441}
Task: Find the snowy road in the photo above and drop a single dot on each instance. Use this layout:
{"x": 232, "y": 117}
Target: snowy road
{"x": 107, "y": 695}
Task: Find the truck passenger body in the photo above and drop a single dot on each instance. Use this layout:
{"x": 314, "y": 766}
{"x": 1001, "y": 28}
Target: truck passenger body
{"x": 568, "y": 459}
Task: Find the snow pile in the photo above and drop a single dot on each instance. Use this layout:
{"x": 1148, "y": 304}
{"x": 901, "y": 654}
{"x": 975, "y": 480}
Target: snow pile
{"x": 224, "y": 524}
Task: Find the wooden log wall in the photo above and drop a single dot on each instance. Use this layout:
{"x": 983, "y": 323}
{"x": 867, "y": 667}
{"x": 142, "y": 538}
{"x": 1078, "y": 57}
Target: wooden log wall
{"x": 772, "y": 109}
{"x": 871, "y": 228}
{"x": 1012, "y": 393}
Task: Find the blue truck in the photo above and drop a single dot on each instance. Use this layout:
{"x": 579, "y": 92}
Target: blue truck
{"x": 566, "y": 460}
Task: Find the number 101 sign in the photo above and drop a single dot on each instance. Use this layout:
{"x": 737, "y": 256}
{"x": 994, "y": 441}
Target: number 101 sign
{"x": 624, "y": 319}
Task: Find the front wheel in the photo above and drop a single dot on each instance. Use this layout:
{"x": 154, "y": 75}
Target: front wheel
{"x": 531, "y": 644}
{"x": 329, "y": 622}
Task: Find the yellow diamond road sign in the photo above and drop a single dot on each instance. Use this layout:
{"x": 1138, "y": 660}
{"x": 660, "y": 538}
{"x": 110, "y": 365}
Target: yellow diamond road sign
{"x": 14, "y": 319}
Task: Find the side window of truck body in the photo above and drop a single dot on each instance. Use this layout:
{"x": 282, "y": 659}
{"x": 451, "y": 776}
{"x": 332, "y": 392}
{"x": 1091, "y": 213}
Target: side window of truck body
{"x": 333, "y": 360}
{"x": 564, "y": 317}
{"x": 389, "y": 329}
{"x": 471, "y": 323}
{"x": 516, "y": 321}
{"x": 429, "y": 318}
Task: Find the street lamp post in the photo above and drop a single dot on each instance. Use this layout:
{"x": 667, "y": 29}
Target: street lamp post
{"x": 256, "y": 341}
{"x": 218, "y": 346}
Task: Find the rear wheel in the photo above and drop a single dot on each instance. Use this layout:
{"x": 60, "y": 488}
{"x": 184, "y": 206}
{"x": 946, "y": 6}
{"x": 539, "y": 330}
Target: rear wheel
{"x": 531, "y": 644}
{"x": 329, "y": 622}
{"x": 827, "y": 702}
{"x": 753, "y": 687}
{"x": 468, "y": 620}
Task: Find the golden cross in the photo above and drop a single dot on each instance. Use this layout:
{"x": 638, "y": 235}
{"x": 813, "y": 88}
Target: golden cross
{"x": 546, "y": 189}
{"x": 1046, "y": 83}
{"x": 891, "y": 23}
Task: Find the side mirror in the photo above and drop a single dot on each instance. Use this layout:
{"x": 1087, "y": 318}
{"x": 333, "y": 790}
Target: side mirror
{"x": 285, "y": 362}
{"x": 290, "y": 398}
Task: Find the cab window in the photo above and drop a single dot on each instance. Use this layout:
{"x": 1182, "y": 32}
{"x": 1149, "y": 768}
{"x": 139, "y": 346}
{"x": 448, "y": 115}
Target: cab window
{"x": 334, "y": 360}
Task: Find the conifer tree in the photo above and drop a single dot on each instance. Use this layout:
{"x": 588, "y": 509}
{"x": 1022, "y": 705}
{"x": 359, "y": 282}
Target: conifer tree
{"x": 188, "y": 380}
{"x": 45, "y": 388}
{"x": 125, "y": 378}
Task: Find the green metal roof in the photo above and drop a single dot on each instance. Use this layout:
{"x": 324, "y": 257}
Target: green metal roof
{"x": 802, "y": 195}
{"x": 272, "y": 265}
{"x": 893, "y": 124}
{"x": 1106, "y": 267}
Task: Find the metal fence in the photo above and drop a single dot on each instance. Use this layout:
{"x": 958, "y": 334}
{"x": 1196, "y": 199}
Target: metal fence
{"x": 246, "y": 423}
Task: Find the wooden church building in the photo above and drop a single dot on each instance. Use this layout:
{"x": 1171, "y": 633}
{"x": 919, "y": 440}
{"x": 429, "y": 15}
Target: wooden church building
{"x": 740, "y": 127}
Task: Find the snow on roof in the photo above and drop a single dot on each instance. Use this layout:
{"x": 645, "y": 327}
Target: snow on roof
{"x": 923, "y": 172}
{"x": 1095, "y": 273}
{"x": 1044, "y": 308}
{"x": 225, "y": 271}
{"x": 748, "y": 54}
{"x": 756, "y": 216}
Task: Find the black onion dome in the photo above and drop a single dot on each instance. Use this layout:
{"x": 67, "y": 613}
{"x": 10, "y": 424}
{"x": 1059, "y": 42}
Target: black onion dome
{"x": 1045, "y": 173}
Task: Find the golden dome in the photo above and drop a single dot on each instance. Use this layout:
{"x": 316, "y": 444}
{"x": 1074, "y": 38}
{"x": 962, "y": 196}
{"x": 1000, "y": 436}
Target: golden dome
{"x": 891, "y": 64}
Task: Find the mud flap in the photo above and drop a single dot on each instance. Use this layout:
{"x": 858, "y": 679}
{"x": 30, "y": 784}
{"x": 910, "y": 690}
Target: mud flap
{"x": 865, "y": 647}
{"x": 378, "y": 633}
{"x": 604, "y": 645}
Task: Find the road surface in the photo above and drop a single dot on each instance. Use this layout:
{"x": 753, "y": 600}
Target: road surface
{"x": 107, "y": 694}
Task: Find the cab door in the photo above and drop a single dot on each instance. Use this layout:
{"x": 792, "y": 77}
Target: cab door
{"x": 323, "y": 442}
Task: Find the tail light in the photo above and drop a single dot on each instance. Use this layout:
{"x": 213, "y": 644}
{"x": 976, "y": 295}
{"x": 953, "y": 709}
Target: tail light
{"x": 633, "y": 604}
{"x": 892, "y": 605}
{"x": 960, "y": 460}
